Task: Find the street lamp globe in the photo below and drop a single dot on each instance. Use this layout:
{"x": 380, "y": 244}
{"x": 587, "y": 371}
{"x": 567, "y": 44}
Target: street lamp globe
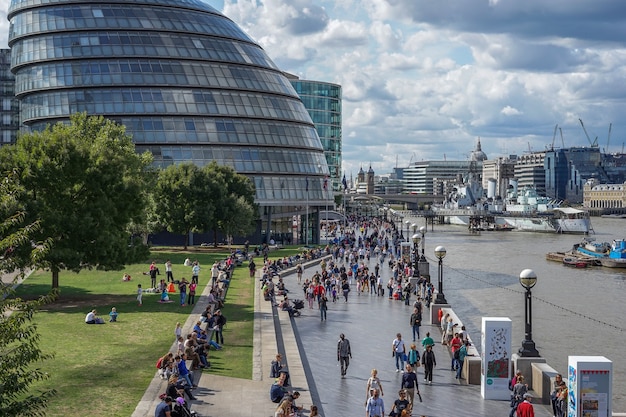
{"x": 528, "y": 278}
{"x": 416, "y": 239}
{"x": 440, "y": 252}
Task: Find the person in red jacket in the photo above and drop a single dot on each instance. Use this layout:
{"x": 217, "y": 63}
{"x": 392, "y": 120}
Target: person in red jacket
{"x": 525, "y": 408}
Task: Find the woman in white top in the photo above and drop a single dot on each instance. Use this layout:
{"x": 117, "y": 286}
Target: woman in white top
{"x": 373, "y": 383}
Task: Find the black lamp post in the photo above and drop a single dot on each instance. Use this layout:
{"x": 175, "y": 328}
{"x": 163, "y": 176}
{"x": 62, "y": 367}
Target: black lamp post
{"x": 400, "y": 227}
{"x": 440, "y": 253}
{"x": 416, "y": 251}
{"x": 423, "y": 232}
{"x": 528, "y": 279}
{"x": 407, "y": 229}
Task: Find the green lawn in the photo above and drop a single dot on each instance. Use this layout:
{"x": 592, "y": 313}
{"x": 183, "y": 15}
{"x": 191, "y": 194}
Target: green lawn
{"x": 103, "y": 370}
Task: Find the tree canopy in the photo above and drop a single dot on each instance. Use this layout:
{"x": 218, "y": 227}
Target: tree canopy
{"x": 192, "y": 199}
{"x": 19, "y": 347}
{"x": 84, "y": 183}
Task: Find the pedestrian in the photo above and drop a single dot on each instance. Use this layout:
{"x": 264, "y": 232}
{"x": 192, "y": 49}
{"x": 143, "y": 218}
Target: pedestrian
{"x": 314, "y": 412}
{"x": 191, "y": 298}
{"x": 168, "y": 271}
{"x": 164, "y": 409}
{"x": 429, "y": 361}
{"x": 398, "y": 351}
{"x": 375, "y": 406}
{"x": 344, "y": 353}
{"x": 462, "y": 354}
{"x": 519, "y": 390}
{"x": 154, "y": 271}
{"x": 555, "y": 392}
{"x": 400, "y": 405}
{"x": 346, "y": 289}
{"x": 455, "y": 345}
{"x": 299, "y": 270}
{"x": 251, "y": 268}
{"x": 323, "y": 307}
{"x": 562, "y": 401}
{"x": 413, "y": 357}
{"x": 409, "y": 382}
{"x": 215, "y": 271}
{"x": 525, "y": 408}
{"x": 415, "y": 322}
{"x": 195, "y": 271}
{"x": 218, "y": 328}
{"x": 139, "y": 295}
{"x": 182, "y": 288}
{"x": 373, "y": 383}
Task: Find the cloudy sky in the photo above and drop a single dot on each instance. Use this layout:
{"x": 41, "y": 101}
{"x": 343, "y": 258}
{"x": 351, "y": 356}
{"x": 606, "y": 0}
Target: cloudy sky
{"x": 424, "y": 79}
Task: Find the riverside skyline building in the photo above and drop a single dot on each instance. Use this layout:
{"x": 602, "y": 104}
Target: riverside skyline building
{"x": 188, "y": 84}
{"x": 9, "y": 113}
{"x": 323, "y": 102}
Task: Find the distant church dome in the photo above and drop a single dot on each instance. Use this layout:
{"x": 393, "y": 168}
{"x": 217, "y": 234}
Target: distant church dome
{"x": 478, "y": 154}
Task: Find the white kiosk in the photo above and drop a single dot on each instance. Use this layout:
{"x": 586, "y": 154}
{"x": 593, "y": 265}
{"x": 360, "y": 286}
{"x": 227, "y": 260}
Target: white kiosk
{"x": 590, "y": 387}
{"x": 496, "y": 358}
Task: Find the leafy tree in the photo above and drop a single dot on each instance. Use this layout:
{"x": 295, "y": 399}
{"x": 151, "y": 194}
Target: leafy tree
{"x": 85, "y": 183}
{"x": 235, "y": 210}
{"x": 19, "y": 349}
{"x": 184, "y": 199}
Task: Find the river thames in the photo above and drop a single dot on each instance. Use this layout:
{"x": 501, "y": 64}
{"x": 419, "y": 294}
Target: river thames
{"x": 575, "y": 311}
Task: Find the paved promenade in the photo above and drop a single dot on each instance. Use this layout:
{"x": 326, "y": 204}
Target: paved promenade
{"x": 309, "y": 348}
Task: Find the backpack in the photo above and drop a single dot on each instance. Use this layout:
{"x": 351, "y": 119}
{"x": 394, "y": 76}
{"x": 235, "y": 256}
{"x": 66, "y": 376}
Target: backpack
{"x": 159, "y": 363}
{"x": 457, "y": 354}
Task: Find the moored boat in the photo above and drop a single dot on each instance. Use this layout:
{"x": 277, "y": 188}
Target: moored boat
{"x": 610, "y": 255}
{"x": 617, "y": 255}
{"x": 575, "y": 262}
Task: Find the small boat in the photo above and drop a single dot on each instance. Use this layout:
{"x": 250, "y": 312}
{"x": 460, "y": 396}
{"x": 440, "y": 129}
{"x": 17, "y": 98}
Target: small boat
{"x": 575, "y": 262}
{"x": 589, "y": 247}
{"x": 617, "y": 255}
{"x": 610, "y": 255}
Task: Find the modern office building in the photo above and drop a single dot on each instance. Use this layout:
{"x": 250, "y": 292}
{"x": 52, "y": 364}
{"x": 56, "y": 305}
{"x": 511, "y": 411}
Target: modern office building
{"x": 188, "y": 84}
{"x": 9, "y": 113}
{"x": 323, "y": 102}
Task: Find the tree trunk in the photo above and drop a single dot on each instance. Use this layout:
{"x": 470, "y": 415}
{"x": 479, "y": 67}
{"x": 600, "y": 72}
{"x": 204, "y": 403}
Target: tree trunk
{"x": 215, "y": 237}
{"x": 186, "y": 239}
{"x": 55, "y": 278}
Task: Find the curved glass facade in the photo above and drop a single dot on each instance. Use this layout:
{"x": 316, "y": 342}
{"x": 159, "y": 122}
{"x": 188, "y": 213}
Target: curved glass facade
{"x": 323, "y": 102}
{"x": 187, "y": 82}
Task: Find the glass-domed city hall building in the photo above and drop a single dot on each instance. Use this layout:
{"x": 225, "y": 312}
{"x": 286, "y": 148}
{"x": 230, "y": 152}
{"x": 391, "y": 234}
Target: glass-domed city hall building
{"x": 188, "y": 84}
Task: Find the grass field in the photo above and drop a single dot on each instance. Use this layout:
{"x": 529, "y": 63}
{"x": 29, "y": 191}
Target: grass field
{"x": 103, "y": 370}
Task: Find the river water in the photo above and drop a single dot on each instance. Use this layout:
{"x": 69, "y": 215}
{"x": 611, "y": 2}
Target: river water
{"x": 575, "y": 311}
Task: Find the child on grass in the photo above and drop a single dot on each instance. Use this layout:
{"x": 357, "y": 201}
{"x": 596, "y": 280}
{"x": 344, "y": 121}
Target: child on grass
{"x": 113, "y": 315}
{"x": 139, "y": 294}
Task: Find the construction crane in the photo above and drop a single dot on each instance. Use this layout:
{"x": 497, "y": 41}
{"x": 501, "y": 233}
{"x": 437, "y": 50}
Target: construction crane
{"x": 593, "y": 144}
{"x": 556, "y": 126}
